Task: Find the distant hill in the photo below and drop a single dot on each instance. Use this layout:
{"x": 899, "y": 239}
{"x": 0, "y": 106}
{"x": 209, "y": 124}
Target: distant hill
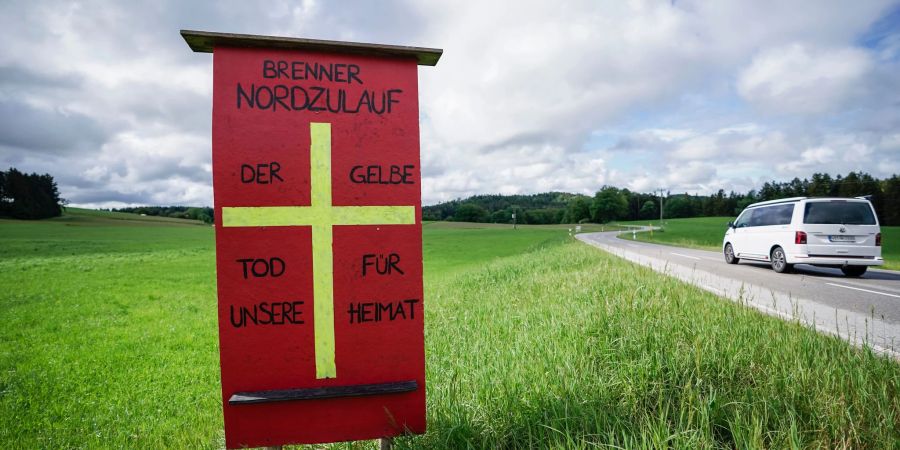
{"x": 611, "y": 203}
{"x": 83, "y": 216}
{"x": 545, "y": 208}
{"x": 201, "y": 213}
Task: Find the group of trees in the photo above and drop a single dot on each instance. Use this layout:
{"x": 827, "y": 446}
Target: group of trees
{"x": 33, "y": 196}
{"x": 29, "y": 196}
{"x": 548, "y": 207}
{"x": 203, "y": 214}
{"x": 611, "y": 203}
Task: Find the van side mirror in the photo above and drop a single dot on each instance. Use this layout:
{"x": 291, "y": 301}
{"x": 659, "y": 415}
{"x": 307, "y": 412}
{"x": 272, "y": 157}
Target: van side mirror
{"x": 730, "y": 224}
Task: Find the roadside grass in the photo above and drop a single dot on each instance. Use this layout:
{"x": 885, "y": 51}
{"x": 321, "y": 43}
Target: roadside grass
{"x": 568, "y": 346}
{"x": 110, "y": 342}
{"x": 706, "y": 233}
{"x": 890, "y": 247}
{"x": 453, "y": 246}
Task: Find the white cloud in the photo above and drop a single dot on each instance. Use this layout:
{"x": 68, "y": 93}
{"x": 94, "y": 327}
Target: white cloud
{"x": 670, "y": 134}
{"x": 694, "y": 175}
{"x": 835, "y": 153}
{"x": 549, "y": 72}
{"x": 527, "y": 97}
{"x": 799, "y": 79}
{"x": 697, "y": 148}
{"x": 533, "y": 79}
{"x": 643, "y": 183}
{"x": 742, "y": 157}
{"x": 809, "y": 158}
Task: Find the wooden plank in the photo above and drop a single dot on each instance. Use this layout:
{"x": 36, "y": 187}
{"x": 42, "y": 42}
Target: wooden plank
{"x": 359, "y": 390}
{"x": 207, "y": 41}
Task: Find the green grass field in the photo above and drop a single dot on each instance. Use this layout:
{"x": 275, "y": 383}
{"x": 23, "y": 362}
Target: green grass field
{"x": 450, "y": 246}
{"x": 707, "y": 232}
{"x": 532, "y": 340}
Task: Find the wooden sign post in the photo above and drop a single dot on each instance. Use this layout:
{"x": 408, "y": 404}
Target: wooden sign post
{"x": 317, "y": 191}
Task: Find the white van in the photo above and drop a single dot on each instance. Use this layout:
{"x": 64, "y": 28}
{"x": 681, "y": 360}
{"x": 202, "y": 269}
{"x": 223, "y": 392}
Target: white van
{"x": 831, "y": 232}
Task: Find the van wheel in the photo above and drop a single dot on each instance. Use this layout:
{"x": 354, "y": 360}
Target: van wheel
{"x": 854, "y": 271}
{"x": 779, "y": 263}
{"x": 729, "y": 255}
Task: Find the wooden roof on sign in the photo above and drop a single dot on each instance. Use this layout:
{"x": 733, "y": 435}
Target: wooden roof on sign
{"x": 206, "y": 41}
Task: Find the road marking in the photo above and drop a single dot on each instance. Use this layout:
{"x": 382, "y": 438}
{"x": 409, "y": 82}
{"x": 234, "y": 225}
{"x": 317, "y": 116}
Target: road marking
{"x": 864, "y": 290}
{"x": 686, "y": 256}
{"x": 879, "y": 286}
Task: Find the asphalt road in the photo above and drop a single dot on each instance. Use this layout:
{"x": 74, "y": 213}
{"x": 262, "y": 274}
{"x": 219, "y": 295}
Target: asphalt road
{"x": 865, "y": 311}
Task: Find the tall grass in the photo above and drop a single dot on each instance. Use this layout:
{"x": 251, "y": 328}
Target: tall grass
{"x": 571, "y": 347}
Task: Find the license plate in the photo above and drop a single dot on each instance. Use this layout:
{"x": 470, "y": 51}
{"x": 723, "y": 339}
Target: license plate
{"x": 843, "y": 239}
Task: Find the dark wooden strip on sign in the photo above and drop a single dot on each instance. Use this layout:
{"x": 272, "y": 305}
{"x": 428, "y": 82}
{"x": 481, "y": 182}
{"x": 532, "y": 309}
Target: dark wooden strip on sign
{"x": 359, "y": 390}
{"x": 206, "y": 41}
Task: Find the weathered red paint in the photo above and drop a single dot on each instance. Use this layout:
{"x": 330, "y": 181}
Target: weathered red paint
{"x": 255, "y": 358}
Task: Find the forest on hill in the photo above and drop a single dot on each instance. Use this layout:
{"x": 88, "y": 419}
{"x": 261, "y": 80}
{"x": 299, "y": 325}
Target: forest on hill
{"x": 201, "y": 213}
{"x": 548, "y": 207}
{"x": 611, "y": 203}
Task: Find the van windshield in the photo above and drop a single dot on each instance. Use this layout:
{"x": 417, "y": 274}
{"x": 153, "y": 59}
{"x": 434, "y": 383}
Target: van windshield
{"x": 839, "y": 212}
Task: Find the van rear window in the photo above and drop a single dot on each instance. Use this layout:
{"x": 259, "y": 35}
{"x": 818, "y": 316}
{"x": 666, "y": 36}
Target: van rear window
{"x": 838, "y": 212}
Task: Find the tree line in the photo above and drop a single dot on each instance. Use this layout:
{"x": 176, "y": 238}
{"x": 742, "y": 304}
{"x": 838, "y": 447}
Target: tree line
{"x": 611, "y": 203}
{"x": 201, "y": 213}
{"x": 29, "y": 196}
{"x": 548, "y": 207}
{"x": 34, "y": 196}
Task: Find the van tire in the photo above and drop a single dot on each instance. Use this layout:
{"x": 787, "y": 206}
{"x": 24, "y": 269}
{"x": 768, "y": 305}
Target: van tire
{"x": 779, "y": 261}
{"x": 854, "y": 271}
{"x": 729, "y": 255}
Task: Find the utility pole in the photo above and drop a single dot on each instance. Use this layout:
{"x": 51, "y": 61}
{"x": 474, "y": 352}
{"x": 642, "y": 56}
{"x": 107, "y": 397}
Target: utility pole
{"x": 661, "y": 208}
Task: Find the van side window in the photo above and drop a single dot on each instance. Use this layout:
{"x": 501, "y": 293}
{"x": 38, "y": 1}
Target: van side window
{"x": 782, "y": 214}
{"x": 772, "y": 215}
{"x": 760, "y": 216}
{"x": 744, "y": 219}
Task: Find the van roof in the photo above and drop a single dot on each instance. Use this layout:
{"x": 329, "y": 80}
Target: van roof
{"x": 797, "y": 199}
{"x": 775, "y": 202}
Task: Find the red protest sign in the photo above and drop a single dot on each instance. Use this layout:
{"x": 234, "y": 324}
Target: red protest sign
{"x": 318, "y": 238}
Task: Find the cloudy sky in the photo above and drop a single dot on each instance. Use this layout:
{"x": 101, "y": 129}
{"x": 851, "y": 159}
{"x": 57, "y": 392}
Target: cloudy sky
{"x": 528, "y": 97}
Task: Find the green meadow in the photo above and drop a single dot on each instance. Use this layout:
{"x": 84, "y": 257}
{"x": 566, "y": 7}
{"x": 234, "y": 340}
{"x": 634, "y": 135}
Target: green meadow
{"x": 706, "y": 233}
{"x": 532, "y": 340}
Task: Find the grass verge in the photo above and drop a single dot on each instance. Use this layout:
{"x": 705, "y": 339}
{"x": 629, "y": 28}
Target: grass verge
{"x": 571, "y": 347}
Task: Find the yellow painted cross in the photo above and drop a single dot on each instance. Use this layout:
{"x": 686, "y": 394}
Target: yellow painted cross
{"x": 321, "y": 215}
